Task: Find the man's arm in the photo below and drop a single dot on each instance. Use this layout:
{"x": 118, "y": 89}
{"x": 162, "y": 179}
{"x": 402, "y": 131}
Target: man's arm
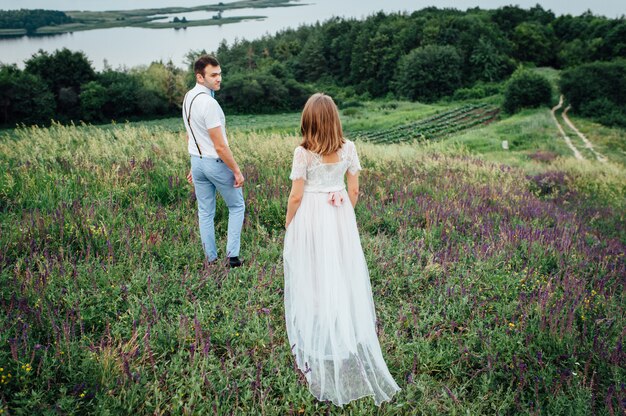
{"x": 223, "y": 151}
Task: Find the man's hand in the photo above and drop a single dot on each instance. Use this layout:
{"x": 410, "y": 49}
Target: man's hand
{"x": 238, "y": 180}
{"x": 190, "y": 178}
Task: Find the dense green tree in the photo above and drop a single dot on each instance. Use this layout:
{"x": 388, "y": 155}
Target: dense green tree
{"x": 64, "y": 72}
{"x": 24, "y": 97}
{"x": 376, "y": 49}
{"x": 509, "y": 17}
{"x": 68, "y": 103}
{"x": 122, "y": 99}
{"x": 488, "y": 63}
{"x": 62, "y": 68}
{"x": 597, "y": 90}
{"x": 286, "y": 49}
{"x": 364, "y": 55}
{"x": 568, "y": 28}
{"x": 574, "y": 53}
{"x": 298, "y": 94}
{"x": 429, "y": 73}
{"x": 93, "y": 97}
{"x": 31, "y": 19}
{"x": 312, "y": 64}
{"x": 482, "y": 46}
{"x": 262, "y": 92}
{"x": 340, "y": 35}
{"x": 614, "y": 43}
{"x": 163, "y": 87}
{"x": 424, "y": 55}
{"x": 534, "y": 42}
{"x": 526, "y": 89}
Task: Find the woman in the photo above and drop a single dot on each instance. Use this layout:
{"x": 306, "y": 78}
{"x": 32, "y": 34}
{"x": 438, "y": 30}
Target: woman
{"x": 328, "y": 299}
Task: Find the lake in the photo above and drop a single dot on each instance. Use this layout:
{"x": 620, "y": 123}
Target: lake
{"x": 128, "y": 47}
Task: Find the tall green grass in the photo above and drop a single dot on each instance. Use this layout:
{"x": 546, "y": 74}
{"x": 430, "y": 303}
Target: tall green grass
{"x": 498, "y": 289}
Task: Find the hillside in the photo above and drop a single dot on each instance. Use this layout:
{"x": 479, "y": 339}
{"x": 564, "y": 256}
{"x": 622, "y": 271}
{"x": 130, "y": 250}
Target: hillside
{"x": 497, "y": 275}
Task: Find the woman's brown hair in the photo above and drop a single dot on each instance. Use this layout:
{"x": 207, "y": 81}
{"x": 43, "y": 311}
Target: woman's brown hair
{"x": 320, "y": 125}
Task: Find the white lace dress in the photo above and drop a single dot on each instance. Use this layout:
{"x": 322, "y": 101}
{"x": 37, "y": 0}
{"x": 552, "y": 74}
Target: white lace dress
{"x": 329, "y": 310}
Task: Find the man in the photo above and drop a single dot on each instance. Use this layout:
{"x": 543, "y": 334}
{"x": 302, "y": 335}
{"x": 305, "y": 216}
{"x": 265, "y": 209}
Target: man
{"x": 213, "y": 167}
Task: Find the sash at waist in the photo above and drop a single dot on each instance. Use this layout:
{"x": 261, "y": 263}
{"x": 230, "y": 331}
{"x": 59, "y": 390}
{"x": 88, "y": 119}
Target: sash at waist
{"x": 324, "y": 189}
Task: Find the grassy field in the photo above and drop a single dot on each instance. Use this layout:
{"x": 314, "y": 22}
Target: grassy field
{"x": 498, "y": 276}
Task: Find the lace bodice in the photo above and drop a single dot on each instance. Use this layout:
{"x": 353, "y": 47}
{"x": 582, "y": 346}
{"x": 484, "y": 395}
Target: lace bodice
{"x": 320, "y": 176}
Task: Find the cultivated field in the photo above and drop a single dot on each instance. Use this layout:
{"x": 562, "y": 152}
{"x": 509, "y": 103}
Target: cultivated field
{"x": 498, "y": 275}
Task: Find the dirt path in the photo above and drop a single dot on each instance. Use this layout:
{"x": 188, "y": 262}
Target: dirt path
{"x": 577, "y": 154}
{"x": 588, "y": 144}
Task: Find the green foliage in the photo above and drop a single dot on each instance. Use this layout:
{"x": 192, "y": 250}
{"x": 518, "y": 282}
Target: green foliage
{"x": 534, "y": 43}
{"x": 79, "y": 93}
{"x": 370, "y": 56}
{"x": 122, "y": 90}
{"x": 597, "y": 90}
{"x": 32, "y": 19}
{"x": 64, "y": 72}
{"x": 615, "y": 41}
{"x": 24, "y": 97}
{"x": 165, "y": 82}
{"x": 261, "y": 92}
{"x": 477, "y": 91}
{"x": 425, "y": 55}
{"x": 526, "y": 89}
{"x": 61, "y": 69}
{"x": 509, "y": 17}
{"x": 93, "y": 97}
{"x": 312, "y": 63}
{"x": 429, "y": 73}
{"x": 489, "y": 63}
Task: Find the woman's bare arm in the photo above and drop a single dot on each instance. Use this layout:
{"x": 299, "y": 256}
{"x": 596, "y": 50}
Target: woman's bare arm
{"x": 353, "y": 187}
{"x": 295, "y": 198}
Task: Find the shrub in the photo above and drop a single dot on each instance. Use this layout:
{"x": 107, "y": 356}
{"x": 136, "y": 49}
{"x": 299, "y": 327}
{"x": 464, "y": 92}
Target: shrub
{"x": 597, "y": 90}
{"x": 262, "y": 92}
{"x": 477, "y": 91}
{"x": 351, "y": 103}
{"x": 526, "y": 89}
{"x": 351, "y": 111}
{"x": 24, "y": 98}
{"x": 93, "y": 97}
{"x": 429, "y": 73}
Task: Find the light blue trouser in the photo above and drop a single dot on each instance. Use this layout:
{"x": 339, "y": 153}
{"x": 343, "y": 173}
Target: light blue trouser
{"x": 209, "y": 175}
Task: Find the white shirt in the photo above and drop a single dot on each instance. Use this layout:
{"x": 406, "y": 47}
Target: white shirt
{"x": 206, "y": 114}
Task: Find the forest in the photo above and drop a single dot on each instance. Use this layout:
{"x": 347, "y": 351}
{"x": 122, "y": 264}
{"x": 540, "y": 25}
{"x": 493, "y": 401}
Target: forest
{"x": 30, "y": 20}
{"x": 426, "y": 56}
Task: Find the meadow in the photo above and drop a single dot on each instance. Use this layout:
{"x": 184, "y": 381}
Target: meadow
{"x": 498, "y": 275}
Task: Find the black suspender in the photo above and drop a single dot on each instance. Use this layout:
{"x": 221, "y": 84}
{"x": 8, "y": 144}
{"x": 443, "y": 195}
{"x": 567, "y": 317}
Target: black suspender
{"x": 188, "y": 117}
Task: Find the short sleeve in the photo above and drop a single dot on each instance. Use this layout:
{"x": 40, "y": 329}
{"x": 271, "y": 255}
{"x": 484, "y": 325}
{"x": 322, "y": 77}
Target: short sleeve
{"x": 212, "y": 117}
{"x": 298, "y": 168}
{"x": 353, "y": 160}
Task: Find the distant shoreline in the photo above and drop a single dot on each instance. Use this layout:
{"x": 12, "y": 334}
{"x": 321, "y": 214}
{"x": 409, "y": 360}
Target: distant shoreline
{"x": 145, "y": 18}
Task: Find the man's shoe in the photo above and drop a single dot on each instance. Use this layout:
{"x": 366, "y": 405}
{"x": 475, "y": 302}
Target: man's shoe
{"x": 234, "y": 262}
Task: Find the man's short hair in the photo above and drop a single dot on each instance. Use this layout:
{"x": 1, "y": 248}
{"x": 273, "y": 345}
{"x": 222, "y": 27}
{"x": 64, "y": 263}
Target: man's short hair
{"x": 202, "y": 62}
